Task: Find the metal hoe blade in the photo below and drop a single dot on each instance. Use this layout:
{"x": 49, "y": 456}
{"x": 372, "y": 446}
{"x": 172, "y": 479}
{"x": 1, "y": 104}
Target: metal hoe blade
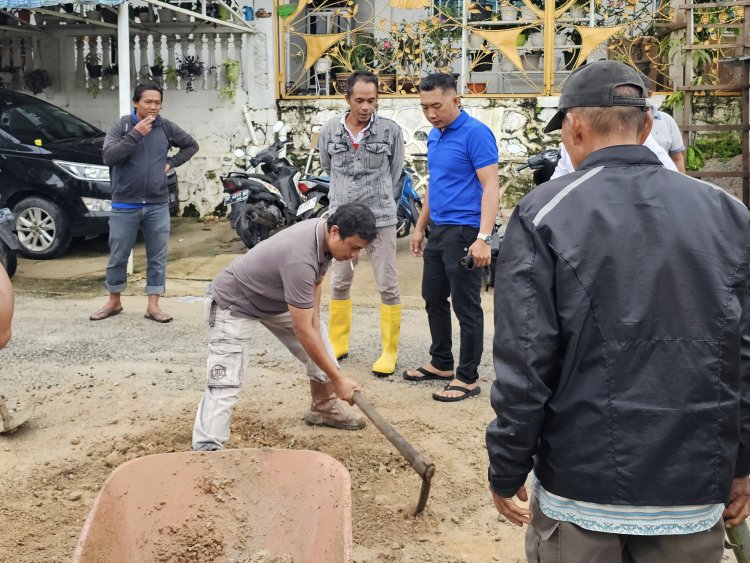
{"x": 420, "y": 464}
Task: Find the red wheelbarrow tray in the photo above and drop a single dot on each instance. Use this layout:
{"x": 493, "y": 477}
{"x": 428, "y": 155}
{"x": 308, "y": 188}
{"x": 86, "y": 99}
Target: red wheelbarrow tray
{"x": 221, "y": 506}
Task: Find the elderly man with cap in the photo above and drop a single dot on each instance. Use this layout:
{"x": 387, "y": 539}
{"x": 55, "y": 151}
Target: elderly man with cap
{"x": 621, "y": 347}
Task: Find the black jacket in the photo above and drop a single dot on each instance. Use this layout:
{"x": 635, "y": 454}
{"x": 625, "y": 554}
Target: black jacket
{"x": 621, "y": 346}
{"x": 137, "y": 162}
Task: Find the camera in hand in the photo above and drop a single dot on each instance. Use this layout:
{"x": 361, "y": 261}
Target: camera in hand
{"x": 467, "y": 262}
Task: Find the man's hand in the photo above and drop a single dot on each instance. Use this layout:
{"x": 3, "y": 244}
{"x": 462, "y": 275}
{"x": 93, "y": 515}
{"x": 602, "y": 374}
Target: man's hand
{"x": 144, "y": 125}
{"x": 417, "y": 243}
{"x": 345, "y": 388}
{"x": 739, "y": 503}
{"x": 505, "y": 506}
{"x": 167, "y": 168}
{"x": 481, "y": 252}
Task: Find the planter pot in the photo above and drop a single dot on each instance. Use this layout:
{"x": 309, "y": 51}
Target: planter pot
{"x": 577, "y": 13}
{"x": 24, "y": 15}
{"x": 322, "y": 65}
{"x": 535, "y": 39}
{"x": 531, "y": 61}
{"x": 527, "y": 15}
{"x": 147, "y": 17}
{"x": 561, "y": 40}
{"x": 157, "y": 71}
{"x": 506, "y": 65}
{"x": 508, "y": 13}
{"x": 340, "y": 82}
{"x": 476, "y": 87}
{"x": 386, "y": 83}
{"x": 475, "y": 41}
{"x": 95, "y": 71}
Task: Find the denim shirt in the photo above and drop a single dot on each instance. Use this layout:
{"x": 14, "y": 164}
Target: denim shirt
{"x": 368, "y": 174}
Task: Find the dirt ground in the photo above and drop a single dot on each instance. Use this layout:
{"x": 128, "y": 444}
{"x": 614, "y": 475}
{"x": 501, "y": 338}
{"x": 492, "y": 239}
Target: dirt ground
{"x": 106, "y": 392}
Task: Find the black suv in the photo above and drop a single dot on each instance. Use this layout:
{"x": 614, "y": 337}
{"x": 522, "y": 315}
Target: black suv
{"x": 52, "y": 175}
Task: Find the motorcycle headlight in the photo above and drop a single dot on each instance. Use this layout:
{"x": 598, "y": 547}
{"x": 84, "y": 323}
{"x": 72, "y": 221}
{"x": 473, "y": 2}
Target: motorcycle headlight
{"x": 85, "y": 171}
{"x": 97, "y": 204}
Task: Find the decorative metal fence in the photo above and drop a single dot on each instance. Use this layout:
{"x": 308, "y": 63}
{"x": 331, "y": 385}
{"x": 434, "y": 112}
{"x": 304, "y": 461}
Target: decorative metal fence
{"x": 495, "y": 47}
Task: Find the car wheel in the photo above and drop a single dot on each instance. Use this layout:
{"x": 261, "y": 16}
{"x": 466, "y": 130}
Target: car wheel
{"x": 8, "y": 259}
{"x": 42, "y": 228}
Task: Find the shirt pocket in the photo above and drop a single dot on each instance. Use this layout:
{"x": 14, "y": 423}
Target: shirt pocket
{"x": 338, "y": 152}
{"x": 376, "y": 153}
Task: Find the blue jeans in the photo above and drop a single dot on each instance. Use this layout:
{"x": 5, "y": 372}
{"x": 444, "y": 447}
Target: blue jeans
{"x": 153, "y": 219}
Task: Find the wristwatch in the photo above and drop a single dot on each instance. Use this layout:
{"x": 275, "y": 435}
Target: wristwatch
{"x": 485, "y": 238}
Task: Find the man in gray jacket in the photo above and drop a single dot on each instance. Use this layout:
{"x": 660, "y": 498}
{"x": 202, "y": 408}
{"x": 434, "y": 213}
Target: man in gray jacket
{"x": 621, "y": 346}
{"x": 136, "y": 150}
{"x": 364, "y": 154}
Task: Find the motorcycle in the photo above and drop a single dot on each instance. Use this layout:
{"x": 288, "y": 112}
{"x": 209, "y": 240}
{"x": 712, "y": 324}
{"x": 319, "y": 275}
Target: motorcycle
{"x": 8, "y": 242}
{"x": 409, "y": 204}
{"x": 543, "y": 165}
{"x": 262, "y": 203}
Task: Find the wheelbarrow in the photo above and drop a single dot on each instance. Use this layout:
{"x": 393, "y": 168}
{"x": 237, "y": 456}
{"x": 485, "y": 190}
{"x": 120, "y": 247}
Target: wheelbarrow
{"x": 229, "y": 505}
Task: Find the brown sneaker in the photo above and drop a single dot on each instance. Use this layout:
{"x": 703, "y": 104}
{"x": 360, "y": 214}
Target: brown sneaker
{"x": 327, "y": 410}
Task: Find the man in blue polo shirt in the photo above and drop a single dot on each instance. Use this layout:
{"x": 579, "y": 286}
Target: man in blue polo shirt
{"x": 460, "y": 208}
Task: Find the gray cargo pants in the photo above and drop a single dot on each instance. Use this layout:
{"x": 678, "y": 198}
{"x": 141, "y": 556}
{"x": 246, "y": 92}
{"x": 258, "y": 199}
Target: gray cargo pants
{"x": 382, "y": 253}
{"x": 553, "y": 541}
{"x": 228, "y": 347}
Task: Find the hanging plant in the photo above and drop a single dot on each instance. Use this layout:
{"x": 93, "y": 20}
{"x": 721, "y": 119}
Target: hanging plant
{"x": 190, "y": 68}
{"x": 93, "y": 88}
{"x": 37, "y": 80}
{"x": 232, "y": 75}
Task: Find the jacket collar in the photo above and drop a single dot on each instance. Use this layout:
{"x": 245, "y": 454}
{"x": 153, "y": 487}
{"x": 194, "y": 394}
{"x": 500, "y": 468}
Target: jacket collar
{"x": 620, "y": 155}
{"x": 372, "y": 128}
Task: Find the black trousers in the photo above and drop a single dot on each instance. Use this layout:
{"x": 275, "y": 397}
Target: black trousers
{"x": 442, "y": 279}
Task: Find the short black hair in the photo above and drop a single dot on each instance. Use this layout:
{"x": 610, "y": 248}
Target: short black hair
{"x": 354, "y": 219}
{"x": 446, "y": 82}
{"x": 143, "y": 86}
{"x": 361, "y": 76}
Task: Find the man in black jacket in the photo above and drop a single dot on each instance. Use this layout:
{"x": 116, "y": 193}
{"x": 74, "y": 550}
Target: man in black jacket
{"x": 136, "y": 150}
{"x": 621, "y": 347}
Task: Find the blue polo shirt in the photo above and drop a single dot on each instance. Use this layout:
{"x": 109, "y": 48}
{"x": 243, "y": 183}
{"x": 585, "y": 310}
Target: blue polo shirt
{"x": 453, "y": 157}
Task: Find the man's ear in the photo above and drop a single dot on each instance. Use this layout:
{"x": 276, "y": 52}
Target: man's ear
{"x": 577, "y": 127}
{"x": 335, "y": 231}
{"x": 643, "y": 135}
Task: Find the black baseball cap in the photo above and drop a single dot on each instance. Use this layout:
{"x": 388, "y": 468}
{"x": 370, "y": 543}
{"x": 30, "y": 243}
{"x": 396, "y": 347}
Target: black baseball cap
{"x": 593, "y": 85}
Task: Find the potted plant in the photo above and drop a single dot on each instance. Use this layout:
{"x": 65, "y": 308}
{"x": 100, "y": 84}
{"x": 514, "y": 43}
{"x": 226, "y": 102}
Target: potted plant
{"x": 37, "y": 80}
{"x": 191, "y": 68}
{"x": 157, "y": 69}
{"x": 508, "y": 11}
{"x": 93, "y": 64}
{"x": 476, "y": 87}
{"x": 232, "y": 75}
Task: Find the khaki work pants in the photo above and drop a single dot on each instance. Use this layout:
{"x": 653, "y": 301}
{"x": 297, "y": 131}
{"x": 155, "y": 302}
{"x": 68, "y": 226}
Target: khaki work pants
{"x": 382, "y": 253}
{"x": 228, "y": 347}
{"x": 552, "y": 541}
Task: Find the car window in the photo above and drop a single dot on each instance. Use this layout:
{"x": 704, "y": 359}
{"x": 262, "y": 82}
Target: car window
{"x": 39, "y": 123}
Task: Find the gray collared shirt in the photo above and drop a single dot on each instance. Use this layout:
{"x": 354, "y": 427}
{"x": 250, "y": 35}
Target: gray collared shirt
{"x": 367, "y": 174}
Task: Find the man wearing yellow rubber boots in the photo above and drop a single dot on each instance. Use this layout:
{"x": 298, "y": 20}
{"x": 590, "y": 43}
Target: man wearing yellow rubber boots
{"x": 363, "y": 154}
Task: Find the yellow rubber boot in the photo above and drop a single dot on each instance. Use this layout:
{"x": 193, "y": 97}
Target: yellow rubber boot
{"x": 340, "y": 326}
{"x": 390, "y": 328}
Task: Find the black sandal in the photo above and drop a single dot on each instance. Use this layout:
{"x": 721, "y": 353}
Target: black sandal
{"x": 426, "y": 376}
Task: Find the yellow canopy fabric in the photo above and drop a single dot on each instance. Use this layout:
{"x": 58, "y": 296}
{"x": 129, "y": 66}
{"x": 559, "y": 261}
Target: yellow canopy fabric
{"x": 592, "y": 37}
{"x": 317, "y": 45}
{"x": 505, "y": 41}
